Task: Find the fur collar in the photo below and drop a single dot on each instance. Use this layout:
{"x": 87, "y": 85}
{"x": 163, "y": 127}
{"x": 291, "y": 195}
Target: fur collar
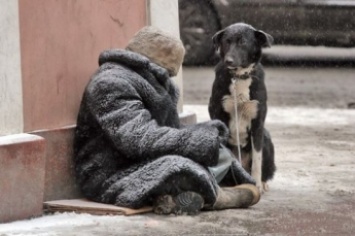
{"x": 134, "y": 60}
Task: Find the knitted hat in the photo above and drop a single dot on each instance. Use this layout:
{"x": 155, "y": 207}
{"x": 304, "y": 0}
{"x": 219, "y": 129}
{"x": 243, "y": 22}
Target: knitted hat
{"x": 160, "y": 47}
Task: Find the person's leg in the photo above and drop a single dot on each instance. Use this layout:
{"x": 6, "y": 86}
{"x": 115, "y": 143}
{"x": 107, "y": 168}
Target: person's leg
{"x": 184, "y": 203}
{"x": 240, "y": 196}
{"x": 173, "y": 184}
{"x": 186, "y": 190}
{"x": 167, "y": 175}
{"x": 190, "y": 201}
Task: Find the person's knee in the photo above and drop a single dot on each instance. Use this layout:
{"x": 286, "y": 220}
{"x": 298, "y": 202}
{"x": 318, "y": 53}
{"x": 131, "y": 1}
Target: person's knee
{"x": 177, "y": 162}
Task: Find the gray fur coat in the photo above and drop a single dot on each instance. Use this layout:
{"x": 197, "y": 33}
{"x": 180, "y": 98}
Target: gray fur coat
{"x": 129, "y": 146}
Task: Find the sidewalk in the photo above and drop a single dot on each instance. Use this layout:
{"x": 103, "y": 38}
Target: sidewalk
{"x": 313, "y": 192}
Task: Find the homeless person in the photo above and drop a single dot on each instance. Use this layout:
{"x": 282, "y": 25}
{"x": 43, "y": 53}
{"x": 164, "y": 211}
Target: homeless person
{"x": 130, "y": 149}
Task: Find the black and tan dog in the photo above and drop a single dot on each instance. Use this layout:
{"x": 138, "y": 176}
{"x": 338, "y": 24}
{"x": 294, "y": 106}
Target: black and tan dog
{"x": 239, "y": 83}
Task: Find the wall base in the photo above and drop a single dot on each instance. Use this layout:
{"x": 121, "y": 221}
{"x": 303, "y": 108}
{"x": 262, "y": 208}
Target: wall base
{"x": 22, "y": 163}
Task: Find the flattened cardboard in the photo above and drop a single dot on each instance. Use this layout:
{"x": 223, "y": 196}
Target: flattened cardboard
{"x": 95, "y": 208}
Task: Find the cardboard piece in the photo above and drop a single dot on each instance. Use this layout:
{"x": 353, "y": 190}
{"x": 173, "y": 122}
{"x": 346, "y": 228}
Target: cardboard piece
{"x": 86, "y": 206}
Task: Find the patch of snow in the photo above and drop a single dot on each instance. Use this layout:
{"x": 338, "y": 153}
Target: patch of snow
{"x": 304, "y": 116}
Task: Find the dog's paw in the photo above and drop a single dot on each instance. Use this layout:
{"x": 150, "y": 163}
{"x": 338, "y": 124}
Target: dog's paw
{"x": 266, "y": 186}
{"x": 260, "y": 186}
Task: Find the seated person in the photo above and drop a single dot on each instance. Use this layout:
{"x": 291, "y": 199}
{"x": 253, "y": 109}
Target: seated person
{"x": 130, "y": 149}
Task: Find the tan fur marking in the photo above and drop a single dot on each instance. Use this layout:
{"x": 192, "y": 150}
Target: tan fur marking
{"x": 247, "y": 110}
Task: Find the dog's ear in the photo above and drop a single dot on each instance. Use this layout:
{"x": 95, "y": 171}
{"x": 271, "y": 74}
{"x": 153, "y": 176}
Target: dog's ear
{"x": 217, "y": 39}
{"x": 264, "y": 39}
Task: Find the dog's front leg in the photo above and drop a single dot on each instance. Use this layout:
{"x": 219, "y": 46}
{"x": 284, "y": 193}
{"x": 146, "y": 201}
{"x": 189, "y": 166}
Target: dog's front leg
{"x": 257, "y": 143}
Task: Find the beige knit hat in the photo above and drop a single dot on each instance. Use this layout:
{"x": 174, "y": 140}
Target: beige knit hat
{"x": 160, "y": 47}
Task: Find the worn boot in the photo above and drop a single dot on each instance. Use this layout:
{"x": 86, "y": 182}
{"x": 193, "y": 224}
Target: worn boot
{"x": 240, "y": 196}
{"x": 189, "y": 203}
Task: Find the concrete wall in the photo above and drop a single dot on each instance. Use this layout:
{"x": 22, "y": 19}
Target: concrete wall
{"x": 22, "y": 168}
{"x": 164, "y": 14}
{"x": 60, "y": 44}
{"x": 49, "y": 49}
{"x": 11, "y": 118}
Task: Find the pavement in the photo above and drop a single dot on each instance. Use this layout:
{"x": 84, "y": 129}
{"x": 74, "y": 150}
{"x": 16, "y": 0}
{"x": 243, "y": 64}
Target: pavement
{"x": 312, "y": 125}
{"x": 313, "y": 192}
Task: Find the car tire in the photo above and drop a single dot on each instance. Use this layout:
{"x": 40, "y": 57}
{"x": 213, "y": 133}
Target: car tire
{"x": 198, "y": 23}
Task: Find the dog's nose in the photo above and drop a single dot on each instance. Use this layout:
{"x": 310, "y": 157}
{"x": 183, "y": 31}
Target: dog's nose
{"x": 229, "y": 61}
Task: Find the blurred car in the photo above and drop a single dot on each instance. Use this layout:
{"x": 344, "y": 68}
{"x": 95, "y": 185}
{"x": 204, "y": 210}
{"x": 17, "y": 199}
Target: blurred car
{"x": 290, "y": 22}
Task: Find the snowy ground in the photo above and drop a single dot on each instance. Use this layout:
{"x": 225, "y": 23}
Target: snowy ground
{"x": 313, "y": 192}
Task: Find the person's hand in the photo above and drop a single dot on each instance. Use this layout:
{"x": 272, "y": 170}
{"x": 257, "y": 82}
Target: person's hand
{"x": 204, "y": 140}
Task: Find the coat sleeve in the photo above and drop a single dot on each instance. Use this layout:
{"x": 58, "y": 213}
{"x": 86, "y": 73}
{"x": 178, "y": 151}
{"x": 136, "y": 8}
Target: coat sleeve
{"x": 126, "y": 122}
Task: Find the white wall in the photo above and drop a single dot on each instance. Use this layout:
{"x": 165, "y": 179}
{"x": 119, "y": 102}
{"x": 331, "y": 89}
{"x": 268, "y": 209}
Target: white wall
{"x": 164, "y": 14}
{"x": 11, "y": 112}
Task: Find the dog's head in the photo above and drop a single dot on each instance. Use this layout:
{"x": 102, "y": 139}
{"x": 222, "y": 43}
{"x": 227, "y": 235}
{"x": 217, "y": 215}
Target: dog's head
{"x": 239, "y": 45}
